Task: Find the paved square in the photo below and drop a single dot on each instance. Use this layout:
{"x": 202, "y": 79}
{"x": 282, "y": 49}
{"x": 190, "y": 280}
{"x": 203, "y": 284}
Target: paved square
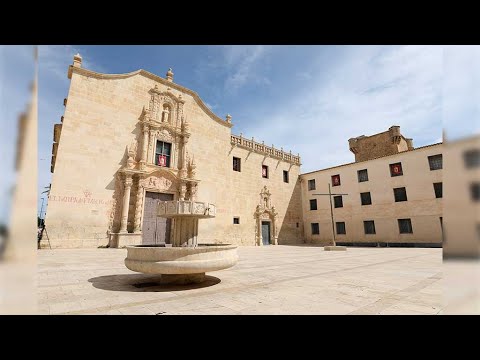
{"x": 266, "y": 280}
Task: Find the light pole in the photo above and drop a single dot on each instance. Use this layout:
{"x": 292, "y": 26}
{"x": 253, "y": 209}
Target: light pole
{"x": 334, "y": 247}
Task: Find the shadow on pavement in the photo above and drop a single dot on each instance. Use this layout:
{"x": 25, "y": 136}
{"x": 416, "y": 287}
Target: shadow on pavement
{"x": 145, "y": 283}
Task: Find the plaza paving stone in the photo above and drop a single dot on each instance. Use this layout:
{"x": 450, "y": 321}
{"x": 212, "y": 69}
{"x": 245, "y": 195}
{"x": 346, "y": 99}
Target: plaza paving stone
{"x": 266, "y": 280}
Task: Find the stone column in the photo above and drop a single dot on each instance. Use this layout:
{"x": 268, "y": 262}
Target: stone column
{"x": 259, "y": 227}
{"x": 150, "y": 149}
{"x": 183, "y": 158}
{"x": 138, "y": 207}
{"x": 126, "y": 202}
{"x": 143, "y": 161}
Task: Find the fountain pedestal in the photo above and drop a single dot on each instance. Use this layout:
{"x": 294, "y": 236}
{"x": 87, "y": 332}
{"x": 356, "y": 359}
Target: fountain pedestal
{"x": 186, "y": 261}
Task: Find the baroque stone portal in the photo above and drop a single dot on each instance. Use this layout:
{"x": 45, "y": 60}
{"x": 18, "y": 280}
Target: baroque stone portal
{"x": 266, "y": 212}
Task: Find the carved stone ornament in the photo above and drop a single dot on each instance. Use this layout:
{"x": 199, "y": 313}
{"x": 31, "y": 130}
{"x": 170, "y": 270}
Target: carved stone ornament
{"x": 159, "y": 183}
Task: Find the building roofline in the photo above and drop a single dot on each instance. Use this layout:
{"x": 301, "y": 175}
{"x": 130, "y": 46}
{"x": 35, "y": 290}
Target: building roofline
{"x": 199, "y": 101}
{"x": 379, "y": 157}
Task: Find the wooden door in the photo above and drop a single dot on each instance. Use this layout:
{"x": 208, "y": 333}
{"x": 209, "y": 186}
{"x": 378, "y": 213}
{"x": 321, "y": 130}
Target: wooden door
{"x": 155, "y": 230}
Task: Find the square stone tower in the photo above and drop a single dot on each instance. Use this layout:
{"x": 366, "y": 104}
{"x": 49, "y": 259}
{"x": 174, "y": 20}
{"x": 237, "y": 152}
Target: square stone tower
{"x": 389, "y": 142}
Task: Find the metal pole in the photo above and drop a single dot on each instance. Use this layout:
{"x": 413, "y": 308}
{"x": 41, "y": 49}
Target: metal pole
{"x": 331, "y": 213}
{"x": 41, "y": 209}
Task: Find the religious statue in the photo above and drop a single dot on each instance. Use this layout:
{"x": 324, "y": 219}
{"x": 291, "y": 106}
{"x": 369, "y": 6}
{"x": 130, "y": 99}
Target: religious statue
{"x": 166, "y": 114}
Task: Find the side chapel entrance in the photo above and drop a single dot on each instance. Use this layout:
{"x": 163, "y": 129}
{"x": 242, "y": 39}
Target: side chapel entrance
{"x": 266, "y": 232}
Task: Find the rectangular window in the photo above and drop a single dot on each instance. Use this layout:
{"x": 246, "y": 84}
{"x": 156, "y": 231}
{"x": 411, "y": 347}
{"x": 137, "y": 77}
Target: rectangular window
{"x": 369, "y": 227}
{"x": 341, "y": 228}
{"x": 335, "y": 180}
{"x": 162, "y": 154}
{"x": 236, "y": 164}
{"x": 236, "y": 220}
{"x": 298, "y": 225}
{"x": 265, "y": 171}
{"x": 285, "y": 176}
{"x": 438, "y": 190}
{"x": 311, "y": 184}
{"x": 366, "y": 198}
{"x": 405, "y": 226}
{"x": 313, "y": 204}
{"x": 475, "y": 191}
{"x": 396, "y": 169}
{"x": 362, "y": 175}
{"x": 472, "y": 158}
{"x": 315, "y": 229}
{"x": 400, "y": 194}
{"x": 338, "y": 201}
{"x": 435, "y": 162}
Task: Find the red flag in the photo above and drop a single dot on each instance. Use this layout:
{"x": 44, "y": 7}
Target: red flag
{"x": 162, "y": 160}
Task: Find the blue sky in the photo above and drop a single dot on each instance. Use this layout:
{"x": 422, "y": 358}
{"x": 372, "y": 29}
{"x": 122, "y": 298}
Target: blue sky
{"x": 308, "y": 99}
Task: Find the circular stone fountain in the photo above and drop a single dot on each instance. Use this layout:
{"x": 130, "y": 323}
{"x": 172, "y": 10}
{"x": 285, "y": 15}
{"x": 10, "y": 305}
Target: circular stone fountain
{"x": 185, "y": 261}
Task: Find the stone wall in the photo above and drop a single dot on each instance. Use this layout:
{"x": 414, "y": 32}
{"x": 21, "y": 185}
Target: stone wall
{"x": 102, "y": 119}
{"x": 422, "y": 207}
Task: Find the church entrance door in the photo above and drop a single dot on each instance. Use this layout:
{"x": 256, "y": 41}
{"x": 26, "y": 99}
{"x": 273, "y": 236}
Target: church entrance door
{"x": 155, "y": 230}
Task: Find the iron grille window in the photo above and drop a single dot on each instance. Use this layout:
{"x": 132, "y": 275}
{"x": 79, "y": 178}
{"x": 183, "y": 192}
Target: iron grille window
{"x": 396, "y": 169}
{"x": 162, "y": 154}
{"x": 366, "y": 198}
{"x": 285, "y": 176}
{"x": 338, "y": 201}
{"x": 400, "y": 194}
{"x": 265, "y": 171}
{"x": 438, "y": 190}
{"x": 362, "y": 175}
{"x": 313, "y": 204}
{"x": 341, "y": 228}
{"x": 472, "y": 158}
{"x": 236, "y": 164}
{"x": 315, "y": 229}
{"x": 435, "y": 162}
{"x": 369, "y": 227}
{"x": 311, "y": 184}
{"x": 236, "y": 220}
{"x": 475, "y": 191}
{"x": 405, "y": 226}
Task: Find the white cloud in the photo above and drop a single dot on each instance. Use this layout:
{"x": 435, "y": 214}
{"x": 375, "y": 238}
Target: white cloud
{"x": 367, "y": 91}
{"x": 241, "y": 63}
{"x": 55, "y": 59}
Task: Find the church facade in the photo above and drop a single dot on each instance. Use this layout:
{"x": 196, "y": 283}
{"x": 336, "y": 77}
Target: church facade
{"x": 128, "y": 141}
